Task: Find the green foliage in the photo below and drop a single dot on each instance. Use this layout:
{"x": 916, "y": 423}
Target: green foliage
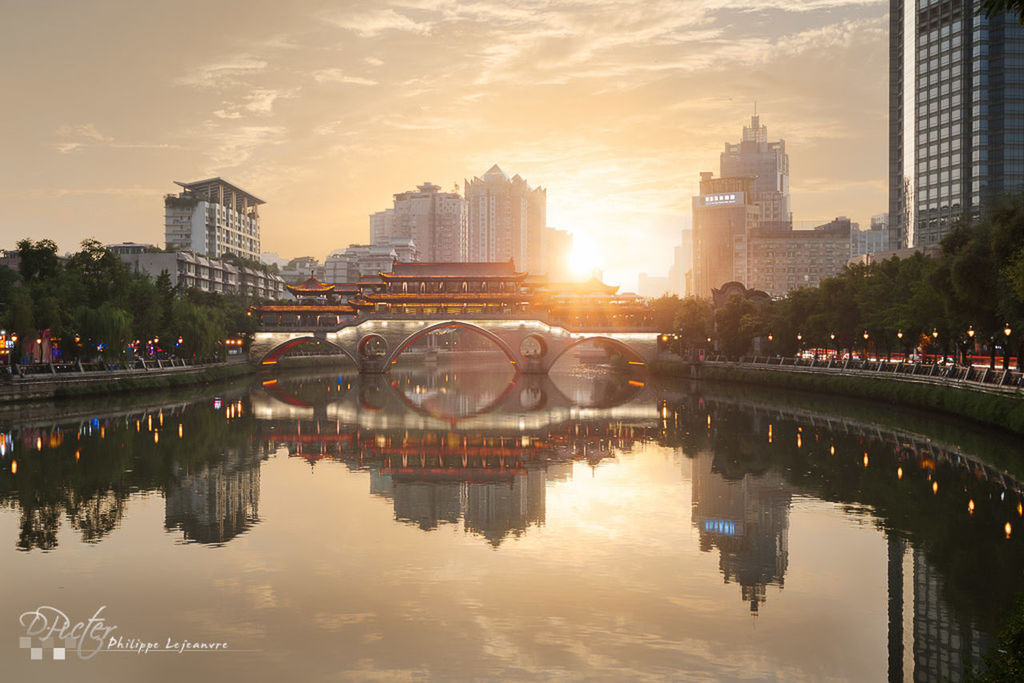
{"x": 94, "y": 296}
{"x": 1005, "y": 661}
{"x": 737, "y": 323}
{"x": 38, "y": 259}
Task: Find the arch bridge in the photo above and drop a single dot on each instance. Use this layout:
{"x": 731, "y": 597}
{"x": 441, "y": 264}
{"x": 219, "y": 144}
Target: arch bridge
{"x": 531, "y": 346}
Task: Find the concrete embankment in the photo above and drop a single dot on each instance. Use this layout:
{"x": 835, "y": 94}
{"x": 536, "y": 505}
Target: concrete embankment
{"x": 71, "y": 384}
{"x": 1001, "y": 406}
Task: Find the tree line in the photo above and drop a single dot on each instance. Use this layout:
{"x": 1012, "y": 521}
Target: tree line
{"x": 965, "y": 298}
{"x": 95, "y": 307}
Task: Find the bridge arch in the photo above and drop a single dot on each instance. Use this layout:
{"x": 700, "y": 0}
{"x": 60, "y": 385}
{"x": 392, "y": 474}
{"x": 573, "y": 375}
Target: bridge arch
{"x": 454, "y": 324}
{"x": 274, "y": 355}
{"x": 635, "y": 357}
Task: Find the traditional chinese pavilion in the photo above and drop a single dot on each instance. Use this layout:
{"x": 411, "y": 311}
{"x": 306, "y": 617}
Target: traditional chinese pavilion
{"x": 447, "y": 288}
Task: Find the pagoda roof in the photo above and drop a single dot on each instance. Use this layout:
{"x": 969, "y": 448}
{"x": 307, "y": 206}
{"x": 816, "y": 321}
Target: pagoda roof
{"x": 473, "y": 270}
{"x": 305, "y": 308}
{"x": 440, "y": 297}
{"x": 311, "y": 286}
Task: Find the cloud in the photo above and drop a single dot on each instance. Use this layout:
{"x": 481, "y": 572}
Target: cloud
{"x": 339, "y": 76}
{"x": 223, "y": 72}
{"x": 373, "y": 22}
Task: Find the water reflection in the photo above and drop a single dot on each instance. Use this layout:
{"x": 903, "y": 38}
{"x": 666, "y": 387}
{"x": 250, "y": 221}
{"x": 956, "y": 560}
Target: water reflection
{"x": 471, "y": 451}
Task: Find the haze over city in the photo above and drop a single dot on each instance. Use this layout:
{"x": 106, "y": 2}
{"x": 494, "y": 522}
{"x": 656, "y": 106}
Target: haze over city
{"x": 325, "y": 110}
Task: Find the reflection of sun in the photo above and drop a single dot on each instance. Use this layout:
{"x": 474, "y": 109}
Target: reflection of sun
{"x": 584, "y": 257}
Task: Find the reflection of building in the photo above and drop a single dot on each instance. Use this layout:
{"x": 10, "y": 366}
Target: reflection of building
{"x": 214, "y": 502}
{"x": 747, "y": 519}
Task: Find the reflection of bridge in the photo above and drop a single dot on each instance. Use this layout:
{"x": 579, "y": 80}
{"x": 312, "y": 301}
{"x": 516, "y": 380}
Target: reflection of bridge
{"x": 375, "y": 341}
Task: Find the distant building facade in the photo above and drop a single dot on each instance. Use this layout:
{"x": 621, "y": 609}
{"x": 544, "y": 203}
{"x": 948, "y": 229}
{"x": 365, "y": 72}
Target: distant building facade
{"x": 300, "y": 269}
{"x": 381, "y": 226}
{"x": 956, "y": 122}
{"x": 367, "y": 260}
{"x": 213, "y": 217}
{"x": 557, "y": 251}
{"x": 435, "y": 221}
{"x": 209, "y": 275}
{"x": 723, "y": 215}
{"x": 781, "y": 261}
{"x": 768, "y": 165}
{"x": 506, "y": 220}
{"x": 871, "y": 241}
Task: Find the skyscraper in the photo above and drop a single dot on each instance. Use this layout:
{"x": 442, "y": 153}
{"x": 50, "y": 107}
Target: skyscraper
{"x": 956, "y": 115}
{"x": 381, "y": 226}
{"x": 433, "y": 220}
{"x": 768, "y": 165}
{"x": 723, "y": 215}
{"x": 506, "y": 220}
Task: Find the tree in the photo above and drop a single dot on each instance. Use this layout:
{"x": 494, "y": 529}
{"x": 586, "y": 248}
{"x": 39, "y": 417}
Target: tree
{"x": 38, "y": 260}
{"x": 737, "y": 324}
{"x": 993, "y": 8}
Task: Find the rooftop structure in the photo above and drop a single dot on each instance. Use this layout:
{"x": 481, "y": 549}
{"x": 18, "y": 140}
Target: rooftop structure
{"x": 213, "y": 217}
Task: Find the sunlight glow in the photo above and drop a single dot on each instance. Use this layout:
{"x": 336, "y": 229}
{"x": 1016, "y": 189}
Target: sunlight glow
{"x": 585, "y": 257}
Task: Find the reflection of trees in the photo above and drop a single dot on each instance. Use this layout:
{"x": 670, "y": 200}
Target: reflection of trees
{"x": 85, "y": 472}
{"x": 917, "y": 489}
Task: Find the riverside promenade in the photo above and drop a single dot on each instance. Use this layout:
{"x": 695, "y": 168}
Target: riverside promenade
{"x": 44, "y": 381}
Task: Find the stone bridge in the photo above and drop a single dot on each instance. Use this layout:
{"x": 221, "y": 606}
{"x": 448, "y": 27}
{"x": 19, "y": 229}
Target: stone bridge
{"x": 375, "y": 343}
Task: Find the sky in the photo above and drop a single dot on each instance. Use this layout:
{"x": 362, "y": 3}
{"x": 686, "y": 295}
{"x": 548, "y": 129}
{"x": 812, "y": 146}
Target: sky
{"x": 326, "y": 109}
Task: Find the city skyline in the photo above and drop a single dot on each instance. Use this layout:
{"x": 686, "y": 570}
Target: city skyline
{"x": 614, "y": 108}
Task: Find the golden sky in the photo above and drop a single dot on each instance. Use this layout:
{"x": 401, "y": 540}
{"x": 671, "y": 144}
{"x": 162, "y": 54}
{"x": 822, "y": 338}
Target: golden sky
{"x": 326, "y": 109}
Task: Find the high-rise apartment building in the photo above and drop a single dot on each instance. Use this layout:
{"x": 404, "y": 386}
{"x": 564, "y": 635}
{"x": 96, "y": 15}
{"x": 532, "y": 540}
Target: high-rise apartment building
{"x": 724, "y": 213}
{"x": 768, "y": 165}
{"x": 956, "y": 115}
{"x": 434, "y": 220}
{"x": 381, "y": 226}
{"x": 214, "y": 218}
{"x": 506, "y": 220}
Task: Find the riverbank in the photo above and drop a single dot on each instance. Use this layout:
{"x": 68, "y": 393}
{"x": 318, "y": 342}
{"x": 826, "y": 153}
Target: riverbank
{"x": 1004, "y": 409}
{"x": 60, "y": 386}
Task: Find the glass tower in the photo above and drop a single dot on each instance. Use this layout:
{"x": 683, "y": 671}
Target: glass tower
{"x": 956, "y": 115}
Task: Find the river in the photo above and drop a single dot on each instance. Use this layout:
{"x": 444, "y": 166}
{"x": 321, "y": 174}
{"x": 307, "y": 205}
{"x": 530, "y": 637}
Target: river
{"x": 459, "y": 522}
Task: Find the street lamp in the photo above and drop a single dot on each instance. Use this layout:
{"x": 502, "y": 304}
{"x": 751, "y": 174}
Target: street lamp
{"x": 969, "y": 346}
{"x": 935, "y": 341}
{"x": 799, "y": 344}
{"x": 39, "y": 345}
{"x": 866, "y": 337}
{"x": 1007, "y": 330}
{"x": 771, "y": 340}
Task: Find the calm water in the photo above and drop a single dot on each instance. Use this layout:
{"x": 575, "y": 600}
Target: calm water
{"x": 459, "y": 523}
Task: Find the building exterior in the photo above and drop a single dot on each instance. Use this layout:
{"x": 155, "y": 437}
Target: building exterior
{"x": 557, "y": 250}
{"x": 956, "y": 115}
{"x": 367, "y": 260}
{"x": 209, "y": 275}
{"x": 768, "y": 165}
{"x": 130, "y": 248}
{"x": 680, "y": 273}
{"x": 779, "y": 262}
{"x": 506, "y": 220}
{"x": 213, "y": 217}
{"x": 868, "y": 241}
{"x": 301, "y": 268}
{"x": 381, "y": 226}
{"x": 723, "y": 214}
{"x": 435, "y": 221}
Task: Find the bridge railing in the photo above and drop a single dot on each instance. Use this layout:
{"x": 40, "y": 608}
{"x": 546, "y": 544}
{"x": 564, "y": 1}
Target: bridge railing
{"x": 933, "y": 373}
{"x": 509, "y": 315}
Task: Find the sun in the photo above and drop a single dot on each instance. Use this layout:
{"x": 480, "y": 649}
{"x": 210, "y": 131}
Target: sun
{"x": 585, "y": 257}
